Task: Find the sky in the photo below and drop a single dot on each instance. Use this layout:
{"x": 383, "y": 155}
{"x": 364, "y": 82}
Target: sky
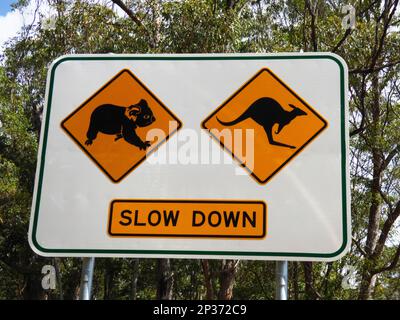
{"x": 11, "y": 21}
{"x": 5, "y": 6}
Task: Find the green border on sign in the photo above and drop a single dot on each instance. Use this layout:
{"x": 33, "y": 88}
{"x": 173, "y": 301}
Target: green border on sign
{"x": 189, "y": 252}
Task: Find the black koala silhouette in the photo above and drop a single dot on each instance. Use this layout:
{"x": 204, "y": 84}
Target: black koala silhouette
{"x": 121, "y": 121}
{"x": 267, "y": 112}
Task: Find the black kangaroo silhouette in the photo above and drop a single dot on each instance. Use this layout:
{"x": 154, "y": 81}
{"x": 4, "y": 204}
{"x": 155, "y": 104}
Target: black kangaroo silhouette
{"x": 267, "y": 112}
{"x": 121, "y": 122}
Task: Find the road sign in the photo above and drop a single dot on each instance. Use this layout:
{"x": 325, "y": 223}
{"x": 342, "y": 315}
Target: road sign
{"x": 106, "y": 126}
{"x": 188, "y": 218}
{"x": 130, "y": 161}
{"x": 268, "y": 106}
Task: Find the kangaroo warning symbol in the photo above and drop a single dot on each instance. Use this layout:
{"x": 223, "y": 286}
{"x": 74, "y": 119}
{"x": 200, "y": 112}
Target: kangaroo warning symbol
{"x": 264, "y": 125}
{"x": 113, "y": 125}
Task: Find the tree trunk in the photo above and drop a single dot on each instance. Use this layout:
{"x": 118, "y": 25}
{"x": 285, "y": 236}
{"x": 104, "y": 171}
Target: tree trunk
{"x": 207, "y": 279}
{"x": 109, "y": 274}
{"x": 59, "y": 278}
{"x": 312, "y": 9}
{"x": 309, "y": 281}
{"x": 367, "y": 286}
{"x": 135, "y": 276}
{"x": 33, "y": 288}
{"x": 295, "y": 281}
{"x": 367, "y": 280}
{"x": 165, "y": 280}
{"x": 227, "y": 278}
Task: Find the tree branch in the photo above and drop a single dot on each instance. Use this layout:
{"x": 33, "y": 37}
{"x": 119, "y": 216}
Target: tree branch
{"x": 379, "y": 44}
{"x": 384, "y": 32}
{"x": 358, "y": 245}
{"x": 346, "y": 34}
{"x": 361, "y": 12}
{"x": 312, "y": 12}
{"x": 357, "y": 131}
{"x": 390, "y": 156}
{"x": 391, "y": 219}
{"x": 361, "y": 96}
{"x": 385, "y": 198}
{"x": 129, "y": 12}
{"x": 392, "y": 265}
{"x": 374, "y": 69}
{"x": 134, "y": 18}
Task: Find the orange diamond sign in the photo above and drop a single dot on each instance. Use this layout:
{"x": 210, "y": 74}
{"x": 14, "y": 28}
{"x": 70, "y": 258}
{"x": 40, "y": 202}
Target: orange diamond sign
{"x": 264, "y": 125}
{"x": 113, "y": 125}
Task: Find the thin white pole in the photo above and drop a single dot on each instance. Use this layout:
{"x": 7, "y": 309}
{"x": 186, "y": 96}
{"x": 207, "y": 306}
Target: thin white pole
{"x": 281, "y": 280}
{"x": 86, "y": 279}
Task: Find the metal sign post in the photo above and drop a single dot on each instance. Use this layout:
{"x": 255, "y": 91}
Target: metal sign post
{"x": 86, "y": 278}
{"x": 281, "y": 280}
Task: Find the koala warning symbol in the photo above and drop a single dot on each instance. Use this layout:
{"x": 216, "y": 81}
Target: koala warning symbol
{"x": 264, "y": 125}
{"x": 113, "y": 127}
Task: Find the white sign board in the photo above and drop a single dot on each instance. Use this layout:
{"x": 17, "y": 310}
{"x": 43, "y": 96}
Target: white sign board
{"x": 211, "y": 156}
